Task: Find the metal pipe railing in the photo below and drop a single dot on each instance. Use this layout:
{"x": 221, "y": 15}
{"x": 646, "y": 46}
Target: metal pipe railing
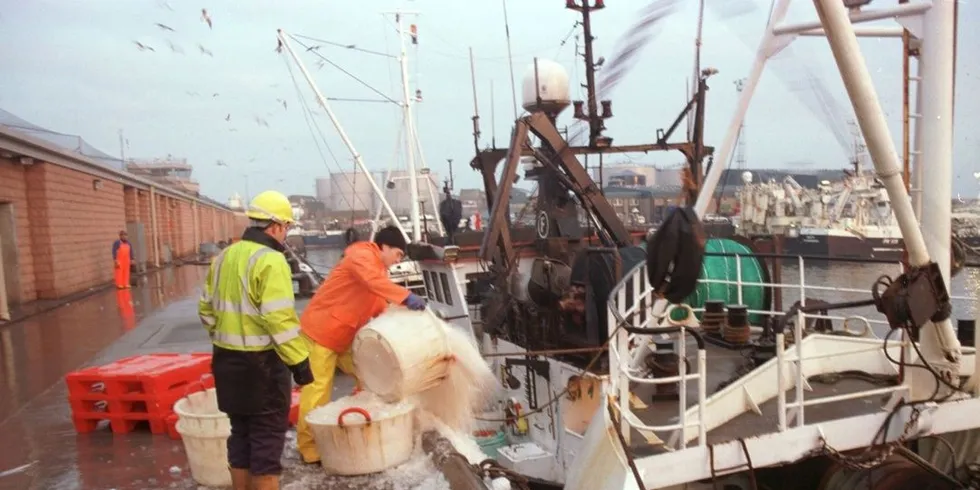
{"x": 634, "y": 327}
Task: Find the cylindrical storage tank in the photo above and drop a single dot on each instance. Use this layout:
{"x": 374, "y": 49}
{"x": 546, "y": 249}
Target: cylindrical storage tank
{"x": 717, "y": 267}
{"x": 549, "y": 82}
{"x": 323, "y": 189}
{"x": 401, "y": 353}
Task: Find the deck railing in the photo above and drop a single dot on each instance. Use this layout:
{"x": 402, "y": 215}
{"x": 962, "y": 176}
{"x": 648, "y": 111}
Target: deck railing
{"x": 636, "y": 315}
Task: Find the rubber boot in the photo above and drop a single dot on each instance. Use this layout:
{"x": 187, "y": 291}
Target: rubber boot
{"x": 241, "y": 479}
{"x": 266, "y": 482}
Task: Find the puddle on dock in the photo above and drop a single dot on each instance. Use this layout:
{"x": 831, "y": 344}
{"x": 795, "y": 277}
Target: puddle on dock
{"x": 35, "y": 419}
{"x": 41, "y": 449}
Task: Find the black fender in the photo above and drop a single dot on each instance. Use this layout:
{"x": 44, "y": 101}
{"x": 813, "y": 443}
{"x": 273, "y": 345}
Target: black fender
{"x": 675, "y": 254}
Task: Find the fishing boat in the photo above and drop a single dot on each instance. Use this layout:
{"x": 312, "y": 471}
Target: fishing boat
{"x": 688, "y": 376}
{"x": 679, "y": 368}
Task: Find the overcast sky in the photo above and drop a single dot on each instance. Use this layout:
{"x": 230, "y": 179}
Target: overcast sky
{"x": 73, "y": 67}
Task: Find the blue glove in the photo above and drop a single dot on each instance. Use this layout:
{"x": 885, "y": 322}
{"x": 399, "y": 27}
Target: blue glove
{"x": 414, "y": 302}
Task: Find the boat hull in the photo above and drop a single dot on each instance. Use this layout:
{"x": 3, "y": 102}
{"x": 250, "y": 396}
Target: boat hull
{"x": 323, "y": 241}
{"x": 839, "y": 247}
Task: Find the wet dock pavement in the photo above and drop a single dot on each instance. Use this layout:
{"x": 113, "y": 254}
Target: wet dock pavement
{"x": 40, "y": 448}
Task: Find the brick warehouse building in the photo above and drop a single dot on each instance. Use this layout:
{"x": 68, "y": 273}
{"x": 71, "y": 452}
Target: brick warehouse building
{"x": 61, "y": 211}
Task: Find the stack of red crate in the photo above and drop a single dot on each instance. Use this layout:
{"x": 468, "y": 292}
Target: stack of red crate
{"x": 134, "y": 390}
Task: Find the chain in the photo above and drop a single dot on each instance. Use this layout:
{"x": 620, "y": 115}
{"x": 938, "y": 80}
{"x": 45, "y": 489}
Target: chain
{"x": 870, "y": 458}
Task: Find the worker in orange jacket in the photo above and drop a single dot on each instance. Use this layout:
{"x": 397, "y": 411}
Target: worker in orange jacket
{"x": 357, "y": 290}
{"x": 121, "y": 256}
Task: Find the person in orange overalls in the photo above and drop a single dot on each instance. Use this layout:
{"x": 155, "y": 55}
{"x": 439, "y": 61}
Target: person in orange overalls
{"x": 121, "y": 255}
{"x": 357, "y": 290}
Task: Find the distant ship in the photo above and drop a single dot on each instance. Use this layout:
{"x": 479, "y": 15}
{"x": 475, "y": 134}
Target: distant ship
{"x": 851, "y": 218}
{"x": 318, "y": 239}
{"x": 324, "y": 239}
{"x": 966, "y": 224}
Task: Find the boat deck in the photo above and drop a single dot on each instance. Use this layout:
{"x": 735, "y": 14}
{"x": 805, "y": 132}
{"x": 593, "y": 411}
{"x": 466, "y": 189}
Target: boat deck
{"x": 723, "y": 364}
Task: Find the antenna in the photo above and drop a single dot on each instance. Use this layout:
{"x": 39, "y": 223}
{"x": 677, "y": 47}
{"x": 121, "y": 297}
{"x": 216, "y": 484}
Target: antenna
{"x": 493, "y": 120}
{"x": 122, "y": 151}
{"x": 510, "y": 60}
{"x": 476, "y": 107}
{"x": 740, "y": 144}
{"x": 451, "y": 181}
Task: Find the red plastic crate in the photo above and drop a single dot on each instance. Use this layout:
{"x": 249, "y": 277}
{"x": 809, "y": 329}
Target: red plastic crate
{"x": 139, "y": 376}
{"x": 119, "y": 423}
{"x": 159, "y": 405}
{"x": 171, "y": 419}
{"x": 171, "y": 422}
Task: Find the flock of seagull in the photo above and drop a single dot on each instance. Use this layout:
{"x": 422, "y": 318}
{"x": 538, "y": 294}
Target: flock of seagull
{"x": 177, "y": 49}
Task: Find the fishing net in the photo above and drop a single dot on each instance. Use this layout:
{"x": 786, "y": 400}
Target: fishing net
{"x": 69, "y": 142}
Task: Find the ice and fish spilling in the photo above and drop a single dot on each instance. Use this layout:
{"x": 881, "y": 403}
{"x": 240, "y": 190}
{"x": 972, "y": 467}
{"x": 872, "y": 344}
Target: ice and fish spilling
{"x": 418, "y": 374}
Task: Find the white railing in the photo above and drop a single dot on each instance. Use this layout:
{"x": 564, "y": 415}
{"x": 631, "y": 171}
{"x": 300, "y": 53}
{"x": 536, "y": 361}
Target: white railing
{"x": 641, "y": 314}
{"x": 647, "y": 317}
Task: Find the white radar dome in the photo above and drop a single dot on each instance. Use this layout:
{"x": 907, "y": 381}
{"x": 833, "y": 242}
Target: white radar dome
{"x": 746, "y": 177}
{"x": 551, "y": 87}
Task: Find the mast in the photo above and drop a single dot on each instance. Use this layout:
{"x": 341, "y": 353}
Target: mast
{"x": 284, "y": 39}
{"x": 595, "y": 120}
{"x": 939, "y": 345}
{"x": 476, "y": 110}
{"x": 510, "y": 60}
{"x": 934, "y": 128}
{"x": 409, "y": 131}
{"x": 697, "y": 64}
{"x": 740, "y": 145}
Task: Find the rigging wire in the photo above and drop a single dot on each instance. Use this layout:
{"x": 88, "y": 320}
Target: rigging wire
{"x": 306, "y": 116}
{"x": 341, "y": 45}
{"x": 327, "y": 60}
{"x": 312, "y": 123}
{"x": 564, "y": 40}
{"x": 433, "y": 33}
{"x": 418, "y": 99}
{"x": 349, "y": 99}
{"x": 394, "y": 163}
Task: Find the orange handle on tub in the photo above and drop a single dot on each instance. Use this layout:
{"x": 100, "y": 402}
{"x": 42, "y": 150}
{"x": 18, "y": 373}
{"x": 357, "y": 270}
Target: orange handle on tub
{"x": 344, "y": 412}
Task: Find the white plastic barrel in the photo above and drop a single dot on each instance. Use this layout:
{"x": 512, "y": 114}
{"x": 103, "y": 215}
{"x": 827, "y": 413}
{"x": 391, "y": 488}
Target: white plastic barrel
{"x": 204, "y": 430}
{"x": 401, "y": 353}
{"x": 361, "y": 434}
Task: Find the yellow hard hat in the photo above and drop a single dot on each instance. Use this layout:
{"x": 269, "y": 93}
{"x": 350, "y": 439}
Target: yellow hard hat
{"x": 271, "y": 206}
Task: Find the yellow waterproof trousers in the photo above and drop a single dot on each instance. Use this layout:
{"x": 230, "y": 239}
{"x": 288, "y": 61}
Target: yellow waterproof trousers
{"x": 324, "y": 363}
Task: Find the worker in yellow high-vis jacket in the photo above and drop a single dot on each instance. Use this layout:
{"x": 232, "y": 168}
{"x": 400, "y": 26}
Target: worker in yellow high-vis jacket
{"x": 248, "y": 310}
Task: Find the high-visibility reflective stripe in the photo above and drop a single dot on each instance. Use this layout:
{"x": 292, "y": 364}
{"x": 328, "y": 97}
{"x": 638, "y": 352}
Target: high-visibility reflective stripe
{"x": 283, "y": 337}
{"x": 208, "y": 320}
{"x": 245, "y": 306}
{"x": 255, "y": 340}
{"x": 248, "y": 273}
{"x": 225, "y": 306}
{"x": 214, "y": 278}
{"x": 276, "y": 305}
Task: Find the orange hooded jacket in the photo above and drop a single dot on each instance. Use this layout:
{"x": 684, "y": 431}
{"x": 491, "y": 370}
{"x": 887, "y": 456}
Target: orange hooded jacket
{"x": 357, "y": 290}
